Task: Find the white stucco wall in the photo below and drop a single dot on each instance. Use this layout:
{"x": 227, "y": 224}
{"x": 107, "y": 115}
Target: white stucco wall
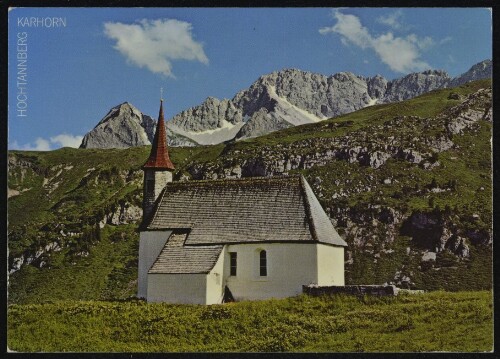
{"x": 150, "y": 245}
{"x": 177, "y": 288}
{"x": 187, "y": 288}
{"x": 330, "y": 265}
{"x": 289, "y": 266}
{"x": 215, "y": 282}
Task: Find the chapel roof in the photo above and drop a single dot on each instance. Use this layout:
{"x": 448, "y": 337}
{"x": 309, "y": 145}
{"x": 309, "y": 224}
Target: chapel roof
{"x": 259, "y": 209}
{"x": 174, "y": 259}
{"x": 158, "y": 157}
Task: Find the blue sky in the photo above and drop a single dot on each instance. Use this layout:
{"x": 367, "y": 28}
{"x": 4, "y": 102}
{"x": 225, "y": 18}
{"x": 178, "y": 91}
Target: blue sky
{"x": 102, "y": 57}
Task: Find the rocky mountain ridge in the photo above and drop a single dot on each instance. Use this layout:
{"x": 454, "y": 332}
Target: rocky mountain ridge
{"x": 273, "y": 102}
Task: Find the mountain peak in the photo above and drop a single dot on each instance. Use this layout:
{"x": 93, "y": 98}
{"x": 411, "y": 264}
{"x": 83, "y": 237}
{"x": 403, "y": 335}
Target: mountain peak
{"x": 483, "y": 64}
{"x": 436, "y": 73}
{"x": 481, "y": 70}
{"x": 125, "y": 104}
{"x": 123, "y": 126}
{"x": 211, "y": 100}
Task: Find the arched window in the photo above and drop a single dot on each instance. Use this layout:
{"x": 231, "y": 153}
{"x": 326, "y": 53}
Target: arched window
{"x": 232, "y": 263}
{"x": 263, "y": 263}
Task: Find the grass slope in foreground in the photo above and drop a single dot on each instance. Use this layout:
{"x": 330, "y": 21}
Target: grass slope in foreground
{"x": 438, "y": 321}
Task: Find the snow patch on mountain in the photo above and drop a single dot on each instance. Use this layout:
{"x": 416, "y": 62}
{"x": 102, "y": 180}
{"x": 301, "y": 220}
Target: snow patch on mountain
{"x": 372, "y": 102}
{"x": 291, "y": 113}
{"x": 212, "y": 136}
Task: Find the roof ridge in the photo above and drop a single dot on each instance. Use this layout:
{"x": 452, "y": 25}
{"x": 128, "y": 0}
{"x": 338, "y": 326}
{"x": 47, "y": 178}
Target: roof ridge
{"x": 319, "y": 218}
{"x": 235, "y": 180}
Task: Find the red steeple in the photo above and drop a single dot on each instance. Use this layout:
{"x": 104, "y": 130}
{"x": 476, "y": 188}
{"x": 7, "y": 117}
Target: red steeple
{"x": 158, "y": 158}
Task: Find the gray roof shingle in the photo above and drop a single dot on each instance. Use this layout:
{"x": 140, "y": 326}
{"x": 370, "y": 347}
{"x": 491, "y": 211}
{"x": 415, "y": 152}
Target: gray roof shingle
{"x": 245, "y": 210}
{"x": 177, "y": 259}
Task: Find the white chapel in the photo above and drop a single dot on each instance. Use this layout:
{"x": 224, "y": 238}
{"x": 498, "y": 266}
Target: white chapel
{"x": 211, "y": 241}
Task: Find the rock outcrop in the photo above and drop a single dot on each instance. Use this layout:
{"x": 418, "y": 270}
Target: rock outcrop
{"x": 415, "y": 84}
{"x": 260, "y": 123}
{"x": 214, "y": 121}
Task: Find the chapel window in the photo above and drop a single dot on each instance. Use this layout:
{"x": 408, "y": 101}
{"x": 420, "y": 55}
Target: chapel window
{"x": 263, "y": 263}
{"x": 232, "y": 263}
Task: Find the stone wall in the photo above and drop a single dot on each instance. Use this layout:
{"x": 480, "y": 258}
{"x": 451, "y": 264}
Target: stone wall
{"x": 359, "y": 290}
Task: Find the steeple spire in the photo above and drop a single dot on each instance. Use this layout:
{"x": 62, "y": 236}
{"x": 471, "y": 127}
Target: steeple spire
{"x": 159, "y": 158}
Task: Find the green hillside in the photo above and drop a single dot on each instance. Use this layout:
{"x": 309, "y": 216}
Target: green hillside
{"x": 73, "y": 213}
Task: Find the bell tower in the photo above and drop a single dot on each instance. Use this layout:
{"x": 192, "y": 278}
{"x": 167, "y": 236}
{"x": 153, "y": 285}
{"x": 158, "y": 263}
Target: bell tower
{"x": 157, "y": 169}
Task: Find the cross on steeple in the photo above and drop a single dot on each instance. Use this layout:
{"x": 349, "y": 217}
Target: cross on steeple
{"x": 161, "y": 93}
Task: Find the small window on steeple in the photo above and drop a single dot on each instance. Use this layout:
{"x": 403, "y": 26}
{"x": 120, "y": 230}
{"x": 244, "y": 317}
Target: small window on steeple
{"x": 150, "y": 185}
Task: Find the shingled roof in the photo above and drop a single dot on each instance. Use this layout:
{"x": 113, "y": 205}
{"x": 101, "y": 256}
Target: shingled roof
{"x": 178, "y": 259}
{"x": 265, "y": 209}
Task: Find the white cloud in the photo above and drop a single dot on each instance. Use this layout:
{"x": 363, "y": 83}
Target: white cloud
{"x": 392, "y": 20}
{"x": 65, "y": 140}
{"x": 41, "y": 144}
{"x": 445, "y": 40}
{"x": 351, "y": 30}
{"x": 401, "y": 54}
{"x": 154, "y": 44}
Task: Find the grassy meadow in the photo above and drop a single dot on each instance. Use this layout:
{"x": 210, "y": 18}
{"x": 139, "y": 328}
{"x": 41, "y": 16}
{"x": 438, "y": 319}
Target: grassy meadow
{"x": 435, "y": 321}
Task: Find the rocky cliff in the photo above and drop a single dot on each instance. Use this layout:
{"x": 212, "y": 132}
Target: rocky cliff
{"x": 415, "y": 84}
{"x": 371, "y": 147}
